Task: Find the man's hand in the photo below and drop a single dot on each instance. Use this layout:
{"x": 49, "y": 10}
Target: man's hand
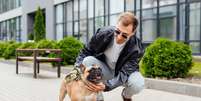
{"x": 95, "y": 87}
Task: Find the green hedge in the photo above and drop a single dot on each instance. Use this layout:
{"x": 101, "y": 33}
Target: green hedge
{"x": 46, "y": 44}
{"x": 3, "y": 46}
{"x": 9, "y": 52}
{"x": 165, "y": 58}
{"x": 70, "y": 49}
{"x": 27, "y": 45}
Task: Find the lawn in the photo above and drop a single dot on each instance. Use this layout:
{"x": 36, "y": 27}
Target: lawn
{"x": 196, "y": 70}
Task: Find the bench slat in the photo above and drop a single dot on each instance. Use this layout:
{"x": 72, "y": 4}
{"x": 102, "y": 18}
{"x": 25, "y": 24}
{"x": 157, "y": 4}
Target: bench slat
{"x": 40, "y": 59}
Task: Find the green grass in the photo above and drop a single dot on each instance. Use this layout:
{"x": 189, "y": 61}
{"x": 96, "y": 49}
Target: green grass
{"x": 196, "y": 70}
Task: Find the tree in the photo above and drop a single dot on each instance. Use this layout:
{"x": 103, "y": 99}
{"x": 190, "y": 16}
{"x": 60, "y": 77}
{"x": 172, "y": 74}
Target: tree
{"x": 39, "y": 26}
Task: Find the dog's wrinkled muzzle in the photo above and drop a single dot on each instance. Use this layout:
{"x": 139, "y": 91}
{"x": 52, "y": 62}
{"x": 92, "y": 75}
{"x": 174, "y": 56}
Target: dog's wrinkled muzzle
{"x": 95, "y": 75}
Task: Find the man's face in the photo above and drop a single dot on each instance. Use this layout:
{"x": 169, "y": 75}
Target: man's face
{"x": 123, "y": 33}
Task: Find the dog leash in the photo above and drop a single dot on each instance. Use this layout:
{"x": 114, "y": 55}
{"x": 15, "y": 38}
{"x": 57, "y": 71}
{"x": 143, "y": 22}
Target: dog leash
{"x": 75, "y": 74}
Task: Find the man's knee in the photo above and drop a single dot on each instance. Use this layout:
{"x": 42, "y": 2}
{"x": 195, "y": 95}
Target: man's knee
{"x": 89, "y": 60}
{"x": 136, "y": 82}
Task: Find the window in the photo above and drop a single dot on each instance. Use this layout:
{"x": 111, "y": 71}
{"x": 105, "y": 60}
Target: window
{"x": 194, "y": 33}
{"x": 90, "y": 18}
{"x": 149, "y": 3}
{"x": 149, "y": 24}
{"x": 113, "y": 19}
{"x": 83, "y": 21}
{"x": 10, "y": 29}
{"x": 59, "y": 22}
{"x": 168, "y": 22}
{"x": 195, "y": 47}
{"x": 99, "y": 13}
{"x": 130, "y": 5}
{"x": 18, "y": 29}
{"x": 69, "y": 18}
{"x": 90, "y": 8}
{"x": 182, "y": 22}
{"x": 116, "y": 6}
{"x": 83, "y": 9}
{"x": 90, "y": 27}
{"x": 167, "y": 2}
{"x": 99, "y": 7}
{"x": 76, "y": 22}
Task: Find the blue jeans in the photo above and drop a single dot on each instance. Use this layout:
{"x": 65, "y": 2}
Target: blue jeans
{"x": 134, "y": 84}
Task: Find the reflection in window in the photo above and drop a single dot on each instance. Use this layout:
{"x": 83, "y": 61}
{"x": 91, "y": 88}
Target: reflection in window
{"x": 149, "y": 3}
{"x": 129, "y": 5}
{"x": 10, "y": 29}
{"x": 182, "y": 22}
{"x": 194, "y": 21}
{"x": 167, "y": 2}
{"x": 90, "y": 28}
{"x": 168, "y": 28}
{"x": 149, "y": 30}
{"x": 83, "y": 31}
{"x": 59, "y": 22}
{"x": 167, "y": 16}
{"x": 149, "y": 24}
{"x": 99, "y": 7}
{"x": 6, "y": 5}
{"x": 116, "y": 6}
{"x": 69, "y": 19}
{"x": 83, "y": 21}
{"x": 113, "y": 19}
{"x": 75, "y": 34}
{"x": 99, "y": 22}
{"x": 75, "y": 10}
{"x": 83, "y": 9}
{"x": 195, "y": 47}
{"x": 59, "y": 31}
{"x": 59, "y": 13}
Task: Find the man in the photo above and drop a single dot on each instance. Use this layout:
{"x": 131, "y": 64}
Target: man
{"x": 117, "y": 51}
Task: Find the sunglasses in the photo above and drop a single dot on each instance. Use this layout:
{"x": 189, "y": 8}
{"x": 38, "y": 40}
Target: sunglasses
{"x": 118, "y": 32}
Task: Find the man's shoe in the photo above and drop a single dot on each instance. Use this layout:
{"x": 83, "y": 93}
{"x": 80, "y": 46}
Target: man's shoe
{"x": 125, "y": 99}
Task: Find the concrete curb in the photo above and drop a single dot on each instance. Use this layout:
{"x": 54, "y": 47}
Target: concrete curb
{"x": 174, "y": 87}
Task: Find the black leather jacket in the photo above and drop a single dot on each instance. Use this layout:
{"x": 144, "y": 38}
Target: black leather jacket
{"x": 127, "y": 62}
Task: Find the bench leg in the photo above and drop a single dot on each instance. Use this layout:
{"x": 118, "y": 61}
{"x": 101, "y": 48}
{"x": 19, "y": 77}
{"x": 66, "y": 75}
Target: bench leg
{"x": 34, "y": 67}
{"x": 38, "y": 67}
{"x": 17, "y": 66}
{"x": 58, "y": 70}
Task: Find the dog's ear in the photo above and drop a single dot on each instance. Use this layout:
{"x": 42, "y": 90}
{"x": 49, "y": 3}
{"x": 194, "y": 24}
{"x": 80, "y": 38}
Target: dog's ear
{"x": 82, "y": 67}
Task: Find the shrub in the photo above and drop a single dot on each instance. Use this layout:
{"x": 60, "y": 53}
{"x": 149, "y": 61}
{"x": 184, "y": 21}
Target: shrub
{"x": 39, "y": 26}
{"x": 31, "y": 36}
{"x": 70, "y": 49}
{"x": 27, "y": 45}
{"x": 10, "y": 49}
{"x": 46, "y": 44}
{"x": 165, "y": 58}
{"x": 3, "y": 46}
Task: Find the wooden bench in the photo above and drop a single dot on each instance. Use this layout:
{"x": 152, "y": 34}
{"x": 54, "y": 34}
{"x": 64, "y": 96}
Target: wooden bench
{"x": 37, "y": 59}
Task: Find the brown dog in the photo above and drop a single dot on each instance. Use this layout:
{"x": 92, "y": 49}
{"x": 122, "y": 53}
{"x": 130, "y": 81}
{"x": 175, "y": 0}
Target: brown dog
{"x": 77, "y": 88}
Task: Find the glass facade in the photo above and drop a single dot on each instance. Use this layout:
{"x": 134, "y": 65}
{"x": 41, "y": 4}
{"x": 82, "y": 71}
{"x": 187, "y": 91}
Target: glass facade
{"x": 11, "y": 29}
{"x": 177, "y": 20}
{"x": 6, "y": 5}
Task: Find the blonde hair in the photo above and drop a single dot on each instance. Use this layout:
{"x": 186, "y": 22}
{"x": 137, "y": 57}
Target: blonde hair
{"x": 128, "y": 18}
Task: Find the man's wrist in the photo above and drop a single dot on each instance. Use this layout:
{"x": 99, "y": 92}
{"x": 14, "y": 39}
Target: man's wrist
{"x": 107, "y": 88}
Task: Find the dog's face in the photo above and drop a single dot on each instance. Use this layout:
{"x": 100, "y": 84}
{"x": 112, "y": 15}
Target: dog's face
{"x": 95, "y": 74}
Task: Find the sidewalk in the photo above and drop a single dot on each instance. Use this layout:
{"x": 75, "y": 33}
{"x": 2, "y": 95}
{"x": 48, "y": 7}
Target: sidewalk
{"x": 23, "y": 87}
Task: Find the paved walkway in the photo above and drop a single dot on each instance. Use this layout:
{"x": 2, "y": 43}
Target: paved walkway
{"x": 24, "y": 87}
